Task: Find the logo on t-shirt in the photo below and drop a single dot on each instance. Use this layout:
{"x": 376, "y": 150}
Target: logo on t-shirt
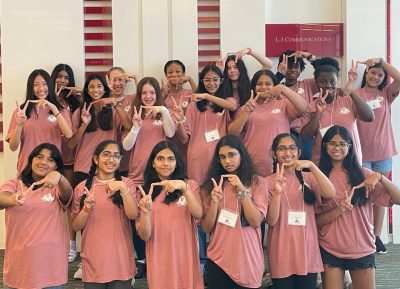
{"x": 52, "y": 118}
{"x": 157, "y": 122}
{"x": 48, "y": 198}
{"x": 182, "y": 201}
{"x": 300, "y": 90}
{"x": 127, "y": 108}
{"x": 276, "y": 111}
{"x": 344, "y": 110}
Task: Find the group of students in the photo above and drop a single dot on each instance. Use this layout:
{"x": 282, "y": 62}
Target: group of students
{"x": 224, "y": 155}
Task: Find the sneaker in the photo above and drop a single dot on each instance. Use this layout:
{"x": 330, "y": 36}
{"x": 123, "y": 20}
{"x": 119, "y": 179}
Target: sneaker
{"x": 140, "y": 270}
{"x": 78, "y": 273}
{"x": 72, "y": 256}
{"x": 380, "y": 248}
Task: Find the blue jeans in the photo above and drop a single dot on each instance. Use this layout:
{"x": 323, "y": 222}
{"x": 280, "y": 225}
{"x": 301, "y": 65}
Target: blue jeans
{"x": 202, "y": 248}
{"x": 382, "y": 166}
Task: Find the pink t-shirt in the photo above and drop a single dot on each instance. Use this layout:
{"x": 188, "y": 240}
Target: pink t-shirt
{"x": 90, "y": 140}
{"x": 263, "y": 125}
{"x": 36, "y": 239}
{"x": 377, "y": 140}
{"x": 107, "y": 247}
{"x": 150, "y": 134}
{"x": 307, "y": 88}
{"x": 67, "y": 154}
{"x": 340, "y": 112}
{"x": 172, "y": 254}
{"x": 351, "y": 235}
{"x": 238, "y": 251}
{"x": 294, "y": 249}
{"x": 40, "y": 127}
{"x": 200, "y": 152}
{"x": 126, "y": 104}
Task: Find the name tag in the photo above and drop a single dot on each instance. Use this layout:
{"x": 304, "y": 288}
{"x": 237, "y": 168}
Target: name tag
{"x": 212, "y": 135}
{"x": 375, "y": 103}
{"x": 297, "y": 218}
{"x": 324, "y": 130}
{"x": 227, "y": 218}
{"x": 52, "y": 118}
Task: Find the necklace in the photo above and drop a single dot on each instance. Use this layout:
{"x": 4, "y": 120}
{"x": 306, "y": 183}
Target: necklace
{"x": 104, "y": 181}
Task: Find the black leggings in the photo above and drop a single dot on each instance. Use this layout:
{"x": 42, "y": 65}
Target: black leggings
{"x": 216, "y": 278}
{"x": 116, "y": 284}
{"x": 308, "y": 281}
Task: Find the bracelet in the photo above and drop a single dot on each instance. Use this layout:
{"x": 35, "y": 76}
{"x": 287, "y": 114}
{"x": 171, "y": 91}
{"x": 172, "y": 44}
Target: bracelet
{"x": 124, "y": 194}
{"x": 243, "y": 193}
{"x": 117, "y": 105}
{"x": 57, "y": 114}
{"x": 250, "y": 51}
{"x": 182, "y": 121}
{"x": 86, "y": 209}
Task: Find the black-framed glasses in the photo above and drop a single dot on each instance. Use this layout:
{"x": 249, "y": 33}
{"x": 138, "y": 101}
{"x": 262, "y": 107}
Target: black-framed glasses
{"x": 108, "y": 155}
{"x": 283, "y": 149}
{"x": 341, "y": 145}
{"x": 229, "y": 156}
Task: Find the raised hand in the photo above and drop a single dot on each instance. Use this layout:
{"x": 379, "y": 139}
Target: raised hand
{"x": 283, "y": 65}
{"x": 221, "y": 62}
{"x": 300, "y": 54}
{"x": 275, "y": 91}
{"x": 89, "y": 201}
{"x": 49, "y": 181}
{"x": 177, "y": 110}
{"x": 115, "y": 186}
{"x": 345, "y": 204}
{"x": 217, "y": 193}
{"x": 20, "y": 195}
{"x": 137, "y": 117}
{"x": 20, "y": 116}
{"x": 302, "y": 164}
{"x": 239, "y": 54}
{"x": 353, "y": 74}
{"x": 251, "y": 104}
{"x": 370, "y": 62}
{"x": 369, "y": 183}
{"x": 169, "y": 186}
{"x": 197, "y": 96}
{"x": 58, "y": 91}
{"x": 152, "y": 110}
{"x": 103, "y": 102}
{"x": 86, "y": 117}
{"x": 165, "y": 87}
{"x": 145, "y": 203}
{"x": 73, "y": 90}
{"x": 321, "y": 102}
{"x": 280, "y": 180}
{"x": 235, "y": 182}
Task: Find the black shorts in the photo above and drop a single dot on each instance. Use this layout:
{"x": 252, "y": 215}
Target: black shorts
{"x": 348, "y": 264}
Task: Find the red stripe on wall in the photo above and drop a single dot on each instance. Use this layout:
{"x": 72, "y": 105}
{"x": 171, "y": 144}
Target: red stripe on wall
{"x": 208, "y": 30}
{"x": 98, "y": 49}
{"x": 208, "y": 42}
{"x": 99, "y": 61}
{"x": 208, "y": 19}
{"x": 98, "y": 36}
{"x": 207, "y": 8}
{"x": 208, "y": 52}
{"x": 98, "y": 23}
{"x": 97, "y": 10}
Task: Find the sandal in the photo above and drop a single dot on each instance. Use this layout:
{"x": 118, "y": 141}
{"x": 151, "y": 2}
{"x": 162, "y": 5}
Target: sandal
{"x": 72, "y": 256}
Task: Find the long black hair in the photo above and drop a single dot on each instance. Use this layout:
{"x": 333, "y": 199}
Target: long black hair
{"x": 257, "y": 76}
{"x": 243, "y": 81}
{"x": 26, "y": 174}
{"x": 73, "y": 100}
{"x": 30, "y": 94}
{"x": 384, "y": 82}
{"x": 150, "y": 175}
{"x": 104, "y": 118}
{"x": 245, "y": 171}
{"x": 350, "y": 163}
{"x": 308, "y": 194}
{"x": 116, "y": 198}
{"x": 202, "y": 104}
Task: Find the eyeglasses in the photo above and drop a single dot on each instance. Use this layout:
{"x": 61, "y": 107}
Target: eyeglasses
{"x": 209, "y": 80}
{"x": 341, "y": 145}
{"x": 168, "y": 159}
{"x": 283, "y": 149}
{"x": 107, "y": 155}
{"x": 230, "y": 156}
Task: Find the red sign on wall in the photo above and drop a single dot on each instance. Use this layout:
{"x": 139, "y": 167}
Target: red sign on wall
{"x": 321, "y": 39}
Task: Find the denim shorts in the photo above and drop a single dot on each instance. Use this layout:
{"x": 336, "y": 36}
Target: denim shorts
{"x": 348, "y": 264}
{"x": 382, "y": 166}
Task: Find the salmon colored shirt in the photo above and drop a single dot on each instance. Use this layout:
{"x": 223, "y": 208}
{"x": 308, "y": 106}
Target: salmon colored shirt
{"x": 238, "y": 251}
{"x": 107, "y": 247}
{"x": 263, "y": 125}
{"x": 67, "y": 154}
{"x": 340, "y": 112}
{"x": 351, "y": 235}
{"x": 126, "y": 104}
{"x": 37, "y": 243}
{"x": 172, "y": 254}
{"x": 200, "y": 152}
{"x": 40, "y": 127}
{"x": 377, "y": 139}
{"x": 294, "y": 249}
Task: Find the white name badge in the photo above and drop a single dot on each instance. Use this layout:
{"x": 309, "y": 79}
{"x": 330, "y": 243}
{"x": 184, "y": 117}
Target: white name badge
{"x": 324, "y": 130}
{"x": 375, "y": 103}
{"x": 227, "y": 218}
{"x": 297, "y": 218}
{"x": 212, "y": 135}
{"x": 52, "y": 118}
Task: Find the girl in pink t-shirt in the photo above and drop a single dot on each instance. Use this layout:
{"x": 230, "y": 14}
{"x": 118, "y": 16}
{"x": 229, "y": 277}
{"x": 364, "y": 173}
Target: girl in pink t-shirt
{"x": 167, "y": 221}
{"x": 36, "y": 236}
{"x": 38, "y": 120}
{"x": 235, "y": 202}
{"x": 102, "y": 208}
{"x": 266, "y": 106}
{"x": 377, "y": 139}
{"x": 69, "y": 97}
{"x": 99, "y": 118}
{"x": 345, "y": 222}
{"x": 333, "y": 106}
{"x": 292, "y": 240}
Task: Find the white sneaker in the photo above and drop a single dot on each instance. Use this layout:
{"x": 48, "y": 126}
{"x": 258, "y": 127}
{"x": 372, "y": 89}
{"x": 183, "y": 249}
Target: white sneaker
{"x": 78, "y": 273}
